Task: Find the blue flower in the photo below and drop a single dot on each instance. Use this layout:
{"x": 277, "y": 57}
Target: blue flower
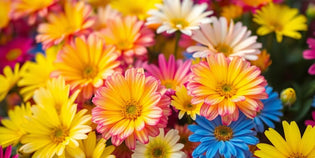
{"x": 313, "y": 102}
{"x": 218, "y": 140}
{"x": 270, "y": 112}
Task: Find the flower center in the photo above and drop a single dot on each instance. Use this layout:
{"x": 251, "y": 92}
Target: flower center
{"x": 179, "y": 23}
{"x": 59, "y": 134}
{"x": 132, "y": 110}
{"x": 189, "y": 106}
{"x": 13, "y": 54}
{"x": 89, "y": 72}
{"x": 158, "y": 153}
{"x": 276, "y": 26}
{"x": 226, "y": 90}
{"x": 224, "y": 48}
{"x": 297, "y": 155}
{"x": 124, "y": 44}
{"x": 169, "y": 84}
{"x": 223, "y": 133}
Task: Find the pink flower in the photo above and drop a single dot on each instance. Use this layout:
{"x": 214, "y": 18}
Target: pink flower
{"x": 7, "y": 153}
{"x": 311, "y": 122}
{"x": 310, "y": 54}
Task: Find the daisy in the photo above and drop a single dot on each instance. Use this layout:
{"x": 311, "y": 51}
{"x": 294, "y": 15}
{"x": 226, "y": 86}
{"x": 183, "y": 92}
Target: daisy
{"x": 182, "y": 101}
{"x": 129, "y": 36}
{"x": 270, "y": 112}
{"x": 7, "y": 153}
{"x": 171, "y": 73}
{"x": 184, "y": 133}
{"x": 224, "y": 86}
{"x": 9, "y": 79}
{"x": 85, "y": 64}
{"x": 281, "y": 19}
{"x": 161, "y": 146}
{"x": 230, "y": 39}
{"x": 12, "y": 131}
{"x": 130, "y": 107}
{"x": 311, "y": 122}
{"x": 217, "y": 139}
{"x": 263, "y": 61}
{"x": 175, "y": 15}
{"x": 310, "y": 54}
{"x": 62, "y": 26}
{"x": 103, "y": 17}
{"x": 5, "y": 7}
{"x": 292, "y": 146}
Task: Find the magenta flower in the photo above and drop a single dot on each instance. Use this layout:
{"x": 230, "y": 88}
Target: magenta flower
{"x": 311, "y": 122}
{"x": 310, "y": 54}
{"x": 7, "y": 153}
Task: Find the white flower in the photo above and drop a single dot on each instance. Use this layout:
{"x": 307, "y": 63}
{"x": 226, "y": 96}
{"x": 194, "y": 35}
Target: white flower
{"x": 219, "y": 37}
{"x": 173, "y": 15}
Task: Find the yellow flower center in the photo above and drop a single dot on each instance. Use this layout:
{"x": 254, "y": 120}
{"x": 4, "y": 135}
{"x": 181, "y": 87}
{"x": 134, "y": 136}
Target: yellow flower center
{"x": 89, "y": 72}
{"x": 179, "y": 23}
{"x": 297, "y": 155}
{"x": 224, "y": 48}
{"x": 223, "y": 133}
{"x": 189, "y": 106}
{"x": 59, "y": 134}
{"x": 226, "y": 90}
{"x": 132, "y": 110}
{"x": 169, "y": 84}
{"x": 124, "y": 44}
{"x": 13, "y": 54}
{"x": 276, "y": 26}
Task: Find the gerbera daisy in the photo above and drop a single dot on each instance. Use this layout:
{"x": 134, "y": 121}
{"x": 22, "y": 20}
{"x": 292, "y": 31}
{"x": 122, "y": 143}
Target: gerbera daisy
{"x": 218, "y": 140}
{"x": 270, "y": 112}
{"x": 103, "y": 17}
{"x": 311, "y": 122}
{"x": 175, "y": 15}
{"x": 5, "y": 7}
{"x": 61, "y": 26}
{"x": 161, "y": 146}
{"x": 230, "y": 39}
{"x": 171, "y": 73}
{"x": 130, "y": 107}
{"x": 310, "y": 54}
{"x": 7, "y": 153}
{"x": 182, "y": 101}
{"x": 137, "y": 8}
{"x": 281, "y": 19}
{"x": 8, "y": 80}
{"x": 263, "y": 61}
{"x": 225, "y": 86}
{"x": 184, "y": 133}
{"x": 12, "y": 131}
{"x": 85, "y": 64}
{"x": 292, "y": 146}
{"x": 129, "y": 36}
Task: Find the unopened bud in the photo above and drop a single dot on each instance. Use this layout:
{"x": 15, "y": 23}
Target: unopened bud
{"x": 288, "y": 97}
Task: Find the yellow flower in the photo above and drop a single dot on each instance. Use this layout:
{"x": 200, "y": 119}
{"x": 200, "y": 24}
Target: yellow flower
{"x": 231, "y": 12}
{"x": 8, "y": 80}
{"x": 292, "y": 147}
{"x": 182, "y": 102}
{"x": 282, "y": 20}
{"x": 288, "y": 96}
{"x": 263, "y": 61}
{"x": 5, "y": 7}
{"x": 98, "y": 3}
{"x": 12, "y": 130}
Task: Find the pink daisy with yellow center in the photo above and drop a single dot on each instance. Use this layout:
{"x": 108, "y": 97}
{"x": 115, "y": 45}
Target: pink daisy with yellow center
{"x": 225, "y": 86}
{"x": 130, "y": 107}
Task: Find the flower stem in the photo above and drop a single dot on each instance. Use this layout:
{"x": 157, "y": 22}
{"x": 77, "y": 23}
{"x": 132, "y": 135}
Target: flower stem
{"x": 177, "y": 37}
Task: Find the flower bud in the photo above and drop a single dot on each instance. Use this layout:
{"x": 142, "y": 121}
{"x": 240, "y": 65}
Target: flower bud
{"x": 288, "y": 96}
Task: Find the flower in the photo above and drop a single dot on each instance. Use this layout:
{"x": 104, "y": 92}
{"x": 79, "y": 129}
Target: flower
{"x": 225, "y": 86}
{"x": 175, "y": 15}
{"x": 161, "y": 146}
{"x": 182, "y": 101}
{"x": 310, "y": 54}
{"x": 7, "y": 153}
{"x": 184, "y": 133}
{"x": 122, "y": 151}
{"x": 231, "y": 12}
{"x": 171, "y": 74}
{"x": 85, "y": 64}
{"x": 270, "y": 112}
{"x": 252, "y": 5}
{"x": 8, "y": 80}
{"x": 137, "y": 8}
{"x": 292, "y": 146}
{"x": 129, "y": 36}
{"x": 263, "y": 61}
{"x": 5, "y": 7}
{"x": 288, "y": 96}
{"x": 311, "y": 122}
{"x": 103, "y": 17}
{"x": 234, "y": 40}
{"x": 227, "y": 141}
{"x": 62, "y": 26}
{"x": 282, "y": 20}
{"x": 12, "y": 130}
{"x": 130, "y": 107}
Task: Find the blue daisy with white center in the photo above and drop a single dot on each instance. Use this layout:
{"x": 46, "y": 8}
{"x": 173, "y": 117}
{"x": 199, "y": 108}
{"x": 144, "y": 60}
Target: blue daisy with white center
{"x": 218, "y": 140}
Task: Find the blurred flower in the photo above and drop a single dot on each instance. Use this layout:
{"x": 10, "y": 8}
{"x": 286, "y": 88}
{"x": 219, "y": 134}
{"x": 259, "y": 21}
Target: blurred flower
{"x": 129, "y": 36}
{"x": 5, "y": 7}
{"x": 122, "y": 151}
{"x": 130, "y": 107}
{"x": 75, "y": 20}
{"x": 225, "y": 86}
{"x": 250, "y": 5}
{"x": 310, "y": 54}
{"x": 292, "y": 146}
{"x": 12, "y": 131}
{"x": 231, "y": 12}
{"x": 175, "y": 15}
{"x": 9, "y": 80}
{"x": 220, "y": 140}
{"x": 98, "y": 3}
{"x": 310, "y": 12}
{"x": 161, "y": 146}
{"x": 288, "y": 96}
{"x": 182, "y": 101}
{"x": 85, "y": 64}
{"x": 263, "y": 61}
{"x": 184, "y": 133}
{"x": 233, "y": 40}
{"x": 311, "y": 122}
{"x": 137, "y": 8}
{"x": 281, "y": 19}
{"x": 7, "y": 153}
{"x": 270, "y": 112}
{"x": 103, "y": 17}
{"x": 313, "y": 102}
{"x": 171, "y": 74}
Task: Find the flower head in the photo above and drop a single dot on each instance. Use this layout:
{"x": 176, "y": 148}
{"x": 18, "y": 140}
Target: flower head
{"x": 282, "y": 20}
{"x": 5, "y": 7}
{"x": 292, "y": 146}
{"x": 311, "y": 122}
{"x": 7, "y": 153}
{"x": 219, "y": 37}
{"x": 225, "y": 86}
{"x": 9, "y": 79}
{"x": 175, "y": 15}
{"x": 310, "y": 54}
{"x": 231, "y": 12}
{"x": 161, "y": 146}
{"x": 130, "y": 107}
{"x": 62, "y": 26}
{"x": 104, "y": 16}
{"x": 85, "y": 64}
{"x": 263, "y": 61}
{"x": 184, "y": 133}
{"x": 227, "y": 141}
{"x": 288, "y": 96}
